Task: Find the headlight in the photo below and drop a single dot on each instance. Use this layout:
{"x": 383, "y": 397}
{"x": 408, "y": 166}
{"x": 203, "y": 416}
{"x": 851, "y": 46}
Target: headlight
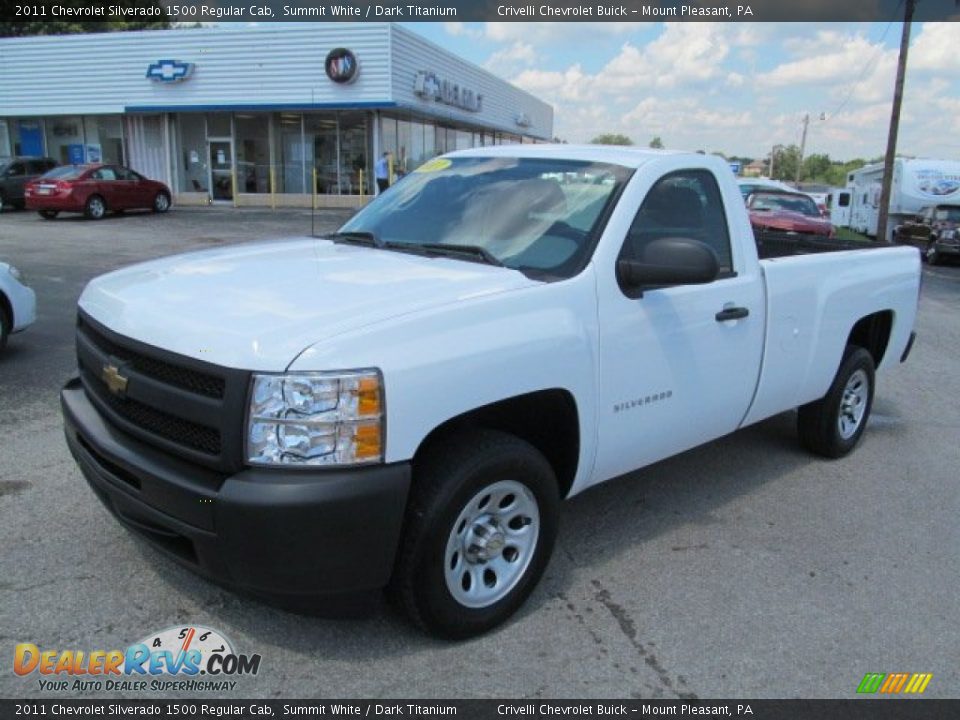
{"x": 316, "y": 419}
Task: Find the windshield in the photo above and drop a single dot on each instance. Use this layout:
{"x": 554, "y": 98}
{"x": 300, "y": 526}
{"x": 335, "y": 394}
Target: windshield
{"x": 782, "y": 201}
{"x": 64, "y": 172}
{"x": 948, "y": 214}
{"x": 535, "y": 215}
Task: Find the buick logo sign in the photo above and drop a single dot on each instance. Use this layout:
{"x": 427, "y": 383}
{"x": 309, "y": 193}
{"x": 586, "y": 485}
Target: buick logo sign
{"x": 341, "y": 66}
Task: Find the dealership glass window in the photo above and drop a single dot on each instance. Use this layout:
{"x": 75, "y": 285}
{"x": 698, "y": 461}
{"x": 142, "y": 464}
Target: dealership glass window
{"x": 321, "y": 136}
{"x": 65, "y": 139}
{"x": 401, "y": 159}
{"x": 290, "y": 153}
{"x": 4, "y": 139}
{"x": 104, "y": 134}
{"x": 354, "y": 153}
{"x": 252, "y": 149}
{"x": 192, "y": 158}
{"x": 464, "y": 140}
{"x": 218, "y": 125}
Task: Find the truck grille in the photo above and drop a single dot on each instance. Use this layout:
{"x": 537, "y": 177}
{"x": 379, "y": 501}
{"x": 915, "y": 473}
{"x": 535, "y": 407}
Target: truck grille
{"x": 185, "y": 406}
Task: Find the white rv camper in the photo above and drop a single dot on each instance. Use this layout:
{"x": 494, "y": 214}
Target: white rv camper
{"x": 916, "y": 184}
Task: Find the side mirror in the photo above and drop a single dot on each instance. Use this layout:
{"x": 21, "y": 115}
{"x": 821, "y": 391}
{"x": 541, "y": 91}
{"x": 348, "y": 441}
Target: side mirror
{"x": 668, "y": 261}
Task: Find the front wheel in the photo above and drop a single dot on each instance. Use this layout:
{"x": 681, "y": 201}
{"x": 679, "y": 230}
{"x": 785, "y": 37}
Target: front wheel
{"x": 481, "y": 525}
{"x": 161, "y": 202}
{"x": 832, "y": 426}
{"x": 95, "y": 208}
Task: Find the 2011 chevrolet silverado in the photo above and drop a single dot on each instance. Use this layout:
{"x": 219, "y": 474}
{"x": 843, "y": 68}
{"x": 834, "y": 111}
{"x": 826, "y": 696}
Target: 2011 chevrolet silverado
{"x": 405, "y": 402}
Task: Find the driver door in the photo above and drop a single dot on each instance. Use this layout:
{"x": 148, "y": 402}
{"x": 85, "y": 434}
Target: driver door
{"x": 679, "y": 365}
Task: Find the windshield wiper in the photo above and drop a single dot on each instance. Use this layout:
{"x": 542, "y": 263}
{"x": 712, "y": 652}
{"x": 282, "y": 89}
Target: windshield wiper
{"x": 471, "y": 251}
{"x": 357, "y": 237}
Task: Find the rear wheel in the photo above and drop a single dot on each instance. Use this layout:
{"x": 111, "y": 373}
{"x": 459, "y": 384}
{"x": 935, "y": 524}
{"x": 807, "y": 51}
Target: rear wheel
{"x": 48, "y": 214}
{"x": 95, "y": 208}
{"x": 480, "y": 528}
{"x": 161, "y": 202}
{"x": 832, "y": 426}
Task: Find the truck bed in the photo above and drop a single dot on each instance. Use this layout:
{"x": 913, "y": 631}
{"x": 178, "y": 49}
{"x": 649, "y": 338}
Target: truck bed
{"x": 776, "y": 243}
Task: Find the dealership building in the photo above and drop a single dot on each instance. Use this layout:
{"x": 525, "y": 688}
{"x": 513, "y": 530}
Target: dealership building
{"x": 291, "y": 114}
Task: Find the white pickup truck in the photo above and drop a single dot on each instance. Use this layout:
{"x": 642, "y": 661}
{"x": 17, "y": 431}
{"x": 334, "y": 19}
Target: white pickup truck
{"x": 405, "y": 402}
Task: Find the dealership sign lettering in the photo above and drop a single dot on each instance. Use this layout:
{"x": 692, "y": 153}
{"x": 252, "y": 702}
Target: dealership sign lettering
{"x": 428, "y": 86}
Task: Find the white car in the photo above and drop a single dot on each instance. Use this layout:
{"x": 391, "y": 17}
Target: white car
{"x": 405, "y": 402}
{"x": 18, "y": 303}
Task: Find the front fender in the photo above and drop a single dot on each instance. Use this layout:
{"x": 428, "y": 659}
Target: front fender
{"x": 443, "y": 362}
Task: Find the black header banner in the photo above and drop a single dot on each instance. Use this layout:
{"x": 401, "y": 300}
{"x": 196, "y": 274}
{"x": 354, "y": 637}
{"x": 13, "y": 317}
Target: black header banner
{"x": 891, "y": 709}
{"x": 192, "y": 11}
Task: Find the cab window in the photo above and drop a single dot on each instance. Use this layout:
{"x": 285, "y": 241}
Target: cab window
{"x": 682, "y": 204}
{"x": 104, "y": 173}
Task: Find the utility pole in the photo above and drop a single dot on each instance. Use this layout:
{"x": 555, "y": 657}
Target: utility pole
{"x": 882, "y": 235}
{"x": 803, "y": 145}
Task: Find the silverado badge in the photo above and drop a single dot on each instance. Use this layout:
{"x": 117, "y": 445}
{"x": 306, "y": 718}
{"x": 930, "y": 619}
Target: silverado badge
{"x": 116, "y": 383}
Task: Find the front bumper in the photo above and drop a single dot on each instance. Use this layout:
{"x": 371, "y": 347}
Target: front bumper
{"x": 283, "y": 532}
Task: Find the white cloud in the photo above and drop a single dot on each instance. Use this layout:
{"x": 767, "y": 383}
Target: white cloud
{"x": 518, "y": 53}
{"x": 558, "y": 32}
{"x": 935, "y": 47}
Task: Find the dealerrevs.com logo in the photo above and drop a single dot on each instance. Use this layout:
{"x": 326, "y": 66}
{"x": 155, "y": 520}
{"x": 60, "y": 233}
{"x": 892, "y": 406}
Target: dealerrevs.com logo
{"x": 192, "y": 658}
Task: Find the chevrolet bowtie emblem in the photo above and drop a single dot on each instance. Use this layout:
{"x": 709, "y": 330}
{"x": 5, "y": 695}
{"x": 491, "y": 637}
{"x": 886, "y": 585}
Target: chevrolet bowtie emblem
{"x": 116, "y": 383}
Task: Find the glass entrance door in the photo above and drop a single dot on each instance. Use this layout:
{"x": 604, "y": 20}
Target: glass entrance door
{"x": 221, "y": 169}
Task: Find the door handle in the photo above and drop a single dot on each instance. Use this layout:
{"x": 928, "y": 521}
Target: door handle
{"x": 732, "y": 313}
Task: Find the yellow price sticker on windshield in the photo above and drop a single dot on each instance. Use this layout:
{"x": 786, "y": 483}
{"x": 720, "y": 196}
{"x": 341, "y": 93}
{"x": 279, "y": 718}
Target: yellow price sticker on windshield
{"x": 434, "y": 165}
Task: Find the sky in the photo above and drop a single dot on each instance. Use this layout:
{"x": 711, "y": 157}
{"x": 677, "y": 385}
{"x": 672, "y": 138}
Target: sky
{"x": 735, "y": 88}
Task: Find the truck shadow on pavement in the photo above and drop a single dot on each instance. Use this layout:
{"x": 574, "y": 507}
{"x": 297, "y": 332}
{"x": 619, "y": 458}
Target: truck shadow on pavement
{"x": 604, "y": 522}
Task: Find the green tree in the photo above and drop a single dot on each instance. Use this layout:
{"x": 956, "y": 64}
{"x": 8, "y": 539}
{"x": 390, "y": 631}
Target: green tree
{"x": 108, "y": 24}
{"x": 656, "y": 143}
{"x": 816, "y": 168}
{"x": 785, "y": 161}
{"x": 612, "y": 139}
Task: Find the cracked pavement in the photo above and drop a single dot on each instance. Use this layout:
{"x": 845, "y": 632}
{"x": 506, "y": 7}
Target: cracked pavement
{"x": 744, "y": 568}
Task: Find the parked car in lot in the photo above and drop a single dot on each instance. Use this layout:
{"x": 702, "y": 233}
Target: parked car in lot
{"x": 787, "y": 211}
{"x": 15, "y": 173}
{"x": 935, "y": 230}
{"x": 95, "y": 190}
{"x": 18, "y": 303}
{"x": 405, "y": 402}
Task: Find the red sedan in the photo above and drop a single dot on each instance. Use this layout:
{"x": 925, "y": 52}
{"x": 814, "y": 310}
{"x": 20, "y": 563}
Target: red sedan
{"x": 787, "y": 212}
{"x": 94, "y": 190}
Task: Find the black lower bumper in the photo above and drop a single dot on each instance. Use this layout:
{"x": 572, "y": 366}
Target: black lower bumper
{"x": 283, "y": 532}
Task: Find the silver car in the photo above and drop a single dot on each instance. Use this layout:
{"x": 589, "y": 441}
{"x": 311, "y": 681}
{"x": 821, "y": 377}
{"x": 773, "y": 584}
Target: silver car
{"x": 18, "y": 303}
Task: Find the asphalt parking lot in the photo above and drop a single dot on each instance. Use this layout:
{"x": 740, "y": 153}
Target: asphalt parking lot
{"x": 744, "y": 568}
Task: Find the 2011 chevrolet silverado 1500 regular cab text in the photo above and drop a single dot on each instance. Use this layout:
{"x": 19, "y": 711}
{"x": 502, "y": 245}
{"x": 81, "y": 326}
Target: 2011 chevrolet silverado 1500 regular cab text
{"x": 404, "y": 403}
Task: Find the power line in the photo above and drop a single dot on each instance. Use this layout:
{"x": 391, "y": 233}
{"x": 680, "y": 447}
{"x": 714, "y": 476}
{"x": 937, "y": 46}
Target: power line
{"x": 868, "y": 65}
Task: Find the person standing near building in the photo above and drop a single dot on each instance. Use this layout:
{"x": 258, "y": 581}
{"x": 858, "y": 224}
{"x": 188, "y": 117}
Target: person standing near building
{"x": 382, "y": 172}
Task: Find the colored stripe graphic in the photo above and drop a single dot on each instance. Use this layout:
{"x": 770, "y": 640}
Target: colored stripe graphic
{"x": 871, "y": 682}
{"x": 894, "y": 683}
{"x": 918, "y": 683}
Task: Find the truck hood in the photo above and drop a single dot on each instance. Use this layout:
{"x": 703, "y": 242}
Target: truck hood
{"x": 257, "y": 306}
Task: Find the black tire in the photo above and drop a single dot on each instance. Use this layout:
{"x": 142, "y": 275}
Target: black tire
{"x": 450, "y": 476}
{"x": 19, "y": 204}
{"x": 6, "y": 322}
{"x": 161, "y": 202}
{"x": 95, "y": 208}
{"x": 48, "y": 214}
{"x": 821, "y": 423}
